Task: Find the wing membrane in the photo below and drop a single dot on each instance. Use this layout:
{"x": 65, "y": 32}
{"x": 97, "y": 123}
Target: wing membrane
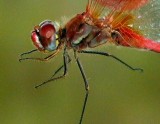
{"x": 96, "y": 7}
{"x": 138, "y": 27}
{"x": 122, "y": 4}
{"x": 137, "y": 21}
{"x": 148, "y": 20}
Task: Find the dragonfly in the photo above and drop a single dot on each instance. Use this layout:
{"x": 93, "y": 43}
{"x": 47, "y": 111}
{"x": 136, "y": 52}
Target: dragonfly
{"x": 128, "y": 23}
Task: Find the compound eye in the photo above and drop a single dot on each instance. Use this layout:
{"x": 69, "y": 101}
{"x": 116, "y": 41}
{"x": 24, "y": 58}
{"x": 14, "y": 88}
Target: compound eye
{"x": 47, "y": 30}
{"x": 36, "y": 41}
{"x": 45, "y": 36}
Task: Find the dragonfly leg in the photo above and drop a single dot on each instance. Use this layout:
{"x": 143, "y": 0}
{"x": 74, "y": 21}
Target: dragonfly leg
{"x": 40, "y": 59}
{"x": 68, "y": 61}
{"x": 114, "y": 57}
{"x": 84, "y": 106}
{"x": 86, "y": 87}
{"x": 28, "y": 52}
{"x": 65, "y": 55}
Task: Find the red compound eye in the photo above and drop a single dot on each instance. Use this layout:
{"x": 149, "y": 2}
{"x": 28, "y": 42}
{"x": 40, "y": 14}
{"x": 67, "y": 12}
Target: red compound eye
{"x": 36, "y": 41}
{"x": 44, "y": 36}
{"x": 47, "y": 30}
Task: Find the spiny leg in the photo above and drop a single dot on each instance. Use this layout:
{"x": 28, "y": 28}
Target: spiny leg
{"x": 86, "y": 87}
{"x": 109, "y": 55}
{"x": 41, "y": 59}
{"x": 84, "y": 106}
{"x": 29, "y": 52}
{"x": 65, "y": 55}
{"x": 68, "y": 61}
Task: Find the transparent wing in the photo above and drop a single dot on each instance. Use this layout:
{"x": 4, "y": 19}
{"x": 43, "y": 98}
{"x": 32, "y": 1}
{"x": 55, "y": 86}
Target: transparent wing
{"x": 148, "y": 20}
{"x": 138, "y": 28}
{"x": 122, "y": 4}
{"x": 137, "y": 22}
{"x": 95, "y": 7}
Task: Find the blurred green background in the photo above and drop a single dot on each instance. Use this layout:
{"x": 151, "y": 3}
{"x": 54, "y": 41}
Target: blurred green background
{"x": 117, "y": 94}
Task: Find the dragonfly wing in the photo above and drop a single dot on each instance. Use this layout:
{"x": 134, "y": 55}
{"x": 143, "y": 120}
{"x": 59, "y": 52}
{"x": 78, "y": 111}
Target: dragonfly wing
{"x": 140, "y": 29}
{"x": 95, "y": 7}
{"x": 131, "y": 38}
{"x": 123, "y": 4}
{"x": 148, "y": 20}
{"x": 136, "y": 21}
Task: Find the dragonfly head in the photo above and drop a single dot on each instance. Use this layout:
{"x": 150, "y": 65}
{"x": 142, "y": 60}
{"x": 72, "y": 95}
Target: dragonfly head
{"x": 45, "y": 36}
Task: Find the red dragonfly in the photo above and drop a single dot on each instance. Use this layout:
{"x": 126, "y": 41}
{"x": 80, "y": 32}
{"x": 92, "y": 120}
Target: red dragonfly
{"x": 131, "y": 23}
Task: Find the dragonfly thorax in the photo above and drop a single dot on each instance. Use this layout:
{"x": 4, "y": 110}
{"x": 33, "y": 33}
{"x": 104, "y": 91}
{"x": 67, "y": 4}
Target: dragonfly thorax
{"x": 83, "y": 32}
